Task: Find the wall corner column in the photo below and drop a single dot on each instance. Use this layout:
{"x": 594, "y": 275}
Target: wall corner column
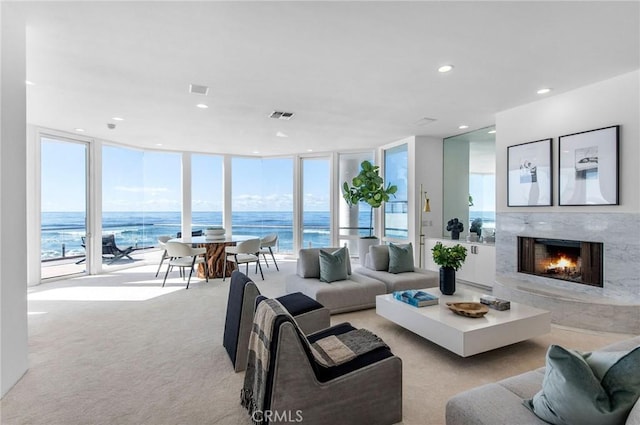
{"x": 13, "y": 200}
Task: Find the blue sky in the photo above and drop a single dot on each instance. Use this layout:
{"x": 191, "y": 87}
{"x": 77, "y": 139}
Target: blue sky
{"x": 135, "y": 180}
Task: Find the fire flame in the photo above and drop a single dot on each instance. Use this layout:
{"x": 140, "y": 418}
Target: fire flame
{"x": 562, "y": 262}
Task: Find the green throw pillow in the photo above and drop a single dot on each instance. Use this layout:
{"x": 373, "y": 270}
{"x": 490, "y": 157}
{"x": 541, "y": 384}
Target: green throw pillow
{"x": 333, "y": 265}
{"x": 573, "y": 393}
{"x": 400, "y": 258}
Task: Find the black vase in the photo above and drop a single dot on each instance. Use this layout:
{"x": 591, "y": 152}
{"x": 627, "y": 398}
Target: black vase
{"x": 455, "y": 234}
{"x": 447, "y": 280}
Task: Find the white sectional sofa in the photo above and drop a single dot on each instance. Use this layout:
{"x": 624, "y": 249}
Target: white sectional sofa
{"x": 359, "y": 291}
{"x": 502, "y": 402}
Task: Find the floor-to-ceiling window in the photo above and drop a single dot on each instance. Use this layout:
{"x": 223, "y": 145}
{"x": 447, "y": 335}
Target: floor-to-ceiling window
{"x": 141, "y": 196}
{"x": 262, "y": 198}
{"x": 63, "y": 200}
{"x": 354, "y": 222}
{"x": 316, "y": 217}
{"x": 396, "y": 220}
{"x": 206, "y": 191}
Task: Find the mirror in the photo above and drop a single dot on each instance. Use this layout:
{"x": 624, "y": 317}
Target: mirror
{"x": 470, "y": 182}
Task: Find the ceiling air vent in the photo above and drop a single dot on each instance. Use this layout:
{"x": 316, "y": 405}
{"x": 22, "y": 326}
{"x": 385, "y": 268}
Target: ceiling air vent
{"x": 425, "y": 121}
{"x": 196, "y": 89}
{"x": 281, "y": 115}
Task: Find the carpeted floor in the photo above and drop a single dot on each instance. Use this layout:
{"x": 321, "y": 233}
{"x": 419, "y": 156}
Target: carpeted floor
{"x": 118, "y": 349}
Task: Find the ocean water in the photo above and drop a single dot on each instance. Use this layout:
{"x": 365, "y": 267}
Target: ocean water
{"x": 62, "y": 231}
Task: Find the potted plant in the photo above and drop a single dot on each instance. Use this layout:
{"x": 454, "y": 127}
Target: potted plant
{"x": 367, "y": 187}
{"x": 450, "y": 259}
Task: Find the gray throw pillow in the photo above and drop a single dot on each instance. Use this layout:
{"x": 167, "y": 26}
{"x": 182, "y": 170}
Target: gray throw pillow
{"x": 573, "y": 393}
{"x": 400, "y": 258}
{"x": 378, "y": 257}
{"x": 308, "y": 263}
{"x": 333, "y": 266}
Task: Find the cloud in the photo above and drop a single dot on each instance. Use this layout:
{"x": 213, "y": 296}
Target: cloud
{"x": 142, "y": 189}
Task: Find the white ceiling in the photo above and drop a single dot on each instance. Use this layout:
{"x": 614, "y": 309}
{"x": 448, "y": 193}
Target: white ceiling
{"x": 356, "y": 74}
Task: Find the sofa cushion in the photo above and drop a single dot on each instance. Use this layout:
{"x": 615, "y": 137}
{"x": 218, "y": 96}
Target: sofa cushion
{"x": 308, "y": 265}
{"x": 333, "y": 265}
{"x": 378, "y": 257}
{"x": 572, "y": 391}
{"x": 400, "y": 258}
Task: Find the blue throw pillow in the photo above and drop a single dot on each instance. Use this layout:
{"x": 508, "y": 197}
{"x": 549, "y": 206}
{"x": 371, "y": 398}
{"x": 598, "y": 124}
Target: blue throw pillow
{"x": 400, "y": 258}
{"x": 333, "y": 265}
{"x": 573, "y": 393}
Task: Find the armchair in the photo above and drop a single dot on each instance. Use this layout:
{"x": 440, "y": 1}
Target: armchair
{"x": 365, "y": 389}
{"x": 310, "y": 315}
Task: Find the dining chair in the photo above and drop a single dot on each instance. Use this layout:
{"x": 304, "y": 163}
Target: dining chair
{"x": 183, "y": 255}
{"x": 244, "y": 252}
{"x": 162, "y": 244}
{"x": 266, "y": 244}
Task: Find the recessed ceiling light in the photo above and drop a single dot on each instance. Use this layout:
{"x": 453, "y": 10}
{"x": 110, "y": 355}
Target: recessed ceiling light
{"x": 281, "y": 134}
{"x": 256, "y": 151}
{"x": 158, "y": 144}
{"x": 117, "y": 118}
{"x": 309, "y": 150}
{"x": 544, "y": 90}
{"x": 80, "y": 130}
{"x": 491, "y": 132}
{"x": 445, "y": 68}
{"x": 202, "y": 106}
{"x": 463, "y": 126}
{"x": 30, "y": 83}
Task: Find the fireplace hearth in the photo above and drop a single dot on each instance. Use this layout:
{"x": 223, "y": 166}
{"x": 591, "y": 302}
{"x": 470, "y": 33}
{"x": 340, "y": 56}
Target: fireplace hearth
{"x": 574, "y": 261}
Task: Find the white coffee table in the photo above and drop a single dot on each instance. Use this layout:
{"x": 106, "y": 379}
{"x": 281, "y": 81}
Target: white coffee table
{"x": 466, "y": 336}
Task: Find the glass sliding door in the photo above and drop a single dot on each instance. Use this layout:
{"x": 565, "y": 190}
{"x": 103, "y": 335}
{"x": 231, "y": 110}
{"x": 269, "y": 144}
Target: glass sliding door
{"x": 262, "y": 200}
{"x": 141, "y": 200}
{"x": 63, "y": 201}
{"x": 316, "y": 216}
{"x": 396, "y": 221}
{"x": 355, "y": 221}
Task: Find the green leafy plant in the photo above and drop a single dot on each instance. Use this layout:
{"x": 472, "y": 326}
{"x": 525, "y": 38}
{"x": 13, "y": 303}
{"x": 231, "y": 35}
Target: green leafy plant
{"x": 368, "y": 187}
{"x": 449, "y": 256}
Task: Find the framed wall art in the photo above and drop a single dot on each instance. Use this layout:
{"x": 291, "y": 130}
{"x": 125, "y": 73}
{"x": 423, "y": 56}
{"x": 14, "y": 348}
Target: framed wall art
{"x": 588, "y": 167}
{"x": 529, "y": 174}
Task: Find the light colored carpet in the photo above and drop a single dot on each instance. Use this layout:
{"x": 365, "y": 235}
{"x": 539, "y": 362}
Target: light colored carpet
{"x": 116, "y": 349}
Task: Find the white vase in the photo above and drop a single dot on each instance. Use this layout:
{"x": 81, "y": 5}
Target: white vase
{"x": 363, "y": 247}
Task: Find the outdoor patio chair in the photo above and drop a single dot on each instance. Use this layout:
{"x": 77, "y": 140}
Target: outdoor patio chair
{"x": 109, "y": 249}
{"x": 193, "y": 233}
{"x": 112, "y": 252}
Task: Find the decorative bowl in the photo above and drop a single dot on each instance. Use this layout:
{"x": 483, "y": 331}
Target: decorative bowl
{"x": 214, "y": 232}
{"x": 469, "y": 309}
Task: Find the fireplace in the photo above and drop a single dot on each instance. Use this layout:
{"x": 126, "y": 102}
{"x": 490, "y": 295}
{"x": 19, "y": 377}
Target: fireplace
{"x": 574, "y": 261}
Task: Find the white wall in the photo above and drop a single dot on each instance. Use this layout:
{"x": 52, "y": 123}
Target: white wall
{"x": 13, "y": 200}
{"x": 606, "y": 103}
{"x": 424, "y": 167}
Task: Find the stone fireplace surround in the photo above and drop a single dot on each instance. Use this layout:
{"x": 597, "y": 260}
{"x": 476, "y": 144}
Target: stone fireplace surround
{"x": 614, "y": 308}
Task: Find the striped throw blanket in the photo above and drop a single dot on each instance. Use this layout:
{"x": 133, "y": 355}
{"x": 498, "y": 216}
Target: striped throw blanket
{"x": 330, "y": 351}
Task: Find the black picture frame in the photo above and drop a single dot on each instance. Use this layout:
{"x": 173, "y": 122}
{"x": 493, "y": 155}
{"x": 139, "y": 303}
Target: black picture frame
{"x": 530, "y": 174}
{"x": 588, "y": 167}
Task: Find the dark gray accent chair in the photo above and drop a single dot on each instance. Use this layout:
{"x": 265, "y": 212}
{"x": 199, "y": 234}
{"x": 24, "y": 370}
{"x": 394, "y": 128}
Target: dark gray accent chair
{"x": 310, "y": 316}
{"x": 365, "y": 390}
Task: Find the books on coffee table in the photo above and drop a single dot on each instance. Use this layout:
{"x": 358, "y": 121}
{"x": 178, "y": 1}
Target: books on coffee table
{"x": 416, "y": 298}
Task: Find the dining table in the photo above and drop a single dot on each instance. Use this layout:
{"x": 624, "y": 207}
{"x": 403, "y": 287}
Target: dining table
{"x": 215, "y": 255}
